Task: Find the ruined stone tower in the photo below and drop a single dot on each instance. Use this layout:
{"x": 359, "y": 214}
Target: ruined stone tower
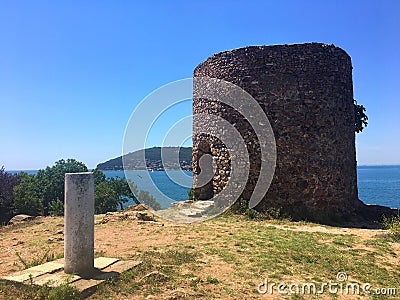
{"x": 306, "y": 91}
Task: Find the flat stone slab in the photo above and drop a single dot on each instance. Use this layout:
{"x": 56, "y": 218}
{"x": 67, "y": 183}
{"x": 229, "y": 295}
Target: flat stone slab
{"x": 20, "y": 218}
{"x": 192, "y": 212}
{"x": 103, "y": 262}
{"x": 52, "y": 273}
{"x": 24, "y": 275}
{"x": 55, "y": 279}
{"x": 203, "y": 204}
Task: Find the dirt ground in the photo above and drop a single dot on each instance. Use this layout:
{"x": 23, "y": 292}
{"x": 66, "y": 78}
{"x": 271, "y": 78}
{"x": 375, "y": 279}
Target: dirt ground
{"x": 116, "y": 239}
{"x": 128, "y": 238}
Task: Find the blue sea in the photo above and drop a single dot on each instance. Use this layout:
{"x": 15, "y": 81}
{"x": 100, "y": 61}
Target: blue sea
{"x": 159, "y": 183}
{"x": 376, "y": 184}
{"x": 379, "y": 185}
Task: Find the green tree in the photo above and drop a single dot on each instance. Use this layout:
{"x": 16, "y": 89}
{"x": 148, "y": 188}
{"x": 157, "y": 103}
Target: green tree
{"x": 28, "y": 196}
{"x": 44, "y": 192}
{"x": 7, "y": 183}
{"x": 148, "y": 199}
{"x": 56, "y": 208}
{"x": 123, "y": 190}
{"x": 122, "y": 187}
{"x": 360, "y": 118}
{"x": 105, "y": 198}
{"x": 51, "y": 180}
{"x": 99, "y": 176}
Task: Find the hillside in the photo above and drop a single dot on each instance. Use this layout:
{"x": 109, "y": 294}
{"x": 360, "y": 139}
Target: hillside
{"x": 153, "y": 159}
{"x": 223, "y": 258}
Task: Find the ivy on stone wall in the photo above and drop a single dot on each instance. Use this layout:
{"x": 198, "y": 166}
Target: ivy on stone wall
{"x": 360, "y": 118}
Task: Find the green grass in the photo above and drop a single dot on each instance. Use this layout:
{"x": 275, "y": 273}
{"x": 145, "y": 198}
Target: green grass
{"x": 134, "y": 280}
{"x": 63, "y": 291}
{"x": 212, "y": 280}
{"x": 20, "y": 225}
{"x": 278, "y": 253}
{"x": 38, "y": 260}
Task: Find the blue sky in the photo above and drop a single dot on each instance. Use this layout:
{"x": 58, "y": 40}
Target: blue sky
{"x": 71, "y": 72}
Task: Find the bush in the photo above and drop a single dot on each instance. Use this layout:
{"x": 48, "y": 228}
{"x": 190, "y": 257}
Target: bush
{"x": 64, "y": 291}
{"x": 393, "y": 226}
{"x": 190, "y": 194}
{"x": 252, "y": 214}
{"x": 56, "y": 208}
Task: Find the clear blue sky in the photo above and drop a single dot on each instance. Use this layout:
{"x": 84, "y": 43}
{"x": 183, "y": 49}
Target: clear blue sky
{"x": 71, "y": 72}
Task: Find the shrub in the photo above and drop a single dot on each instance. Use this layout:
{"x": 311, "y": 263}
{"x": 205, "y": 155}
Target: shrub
{"x": 252, "y": 214}
{"x": 56, "y": 208}
{"x": 64, "y": 291}
{"x": 393, "y": 226}
{"x": 190, "y": 194}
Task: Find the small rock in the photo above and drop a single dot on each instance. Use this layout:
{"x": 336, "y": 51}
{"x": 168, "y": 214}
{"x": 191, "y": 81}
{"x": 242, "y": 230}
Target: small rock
{"x": 192, "y": 212}
{"x": 144, "y": 216}
{"x": 60, "y": 232}
{"x": 104, "y": 220}
{"x": 137, "y": 207}
{"x": 176, "y": 295}
{"x": 20, "y": 218}
{"x": 18, "y": 243}
{"x": 203, "y": 204}
{"x": 202, "y": 261}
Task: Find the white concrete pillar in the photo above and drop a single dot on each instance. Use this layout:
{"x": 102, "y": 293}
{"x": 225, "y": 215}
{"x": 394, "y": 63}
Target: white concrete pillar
{"x": 79, "y": 223}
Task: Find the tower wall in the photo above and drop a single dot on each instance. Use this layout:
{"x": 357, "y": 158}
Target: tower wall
{"x": 306, "y": 91}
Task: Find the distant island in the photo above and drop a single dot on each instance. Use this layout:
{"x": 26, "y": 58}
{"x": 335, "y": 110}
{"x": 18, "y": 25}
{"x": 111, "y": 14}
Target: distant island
{"x": 134, "y": 160}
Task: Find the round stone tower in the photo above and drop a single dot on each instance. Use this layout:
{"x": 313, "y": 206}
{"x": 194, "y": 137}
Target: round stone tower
{"x": 306, "y": 91}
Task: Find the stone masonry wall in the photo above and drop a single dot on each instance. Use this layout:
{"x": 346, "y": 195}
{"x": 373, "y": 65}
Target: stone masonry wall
{"x": 306, "y": 92}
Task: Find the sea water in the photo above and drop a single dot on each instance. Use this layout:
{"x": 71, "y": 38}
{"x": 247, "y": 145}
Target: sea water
{"x": 379, "y": 185}
{"x": 163, "y": 185}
